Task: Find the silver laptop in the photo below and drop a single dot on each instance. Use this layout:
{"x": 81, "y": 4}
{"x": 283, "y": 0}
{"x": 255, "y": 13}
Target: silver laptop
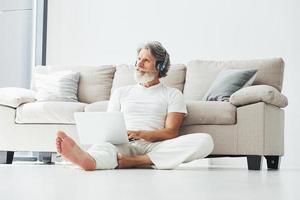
{"x": 98, "y": 127}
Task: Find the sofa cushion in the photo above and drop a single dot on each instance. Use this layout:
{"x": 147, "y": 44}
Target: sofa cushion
{"x": 14, "y": 96}
{"x": 48, "y": 112}
{"x": 201, "y": 74}
{"x": 210, "y": 112}
{"x": 259, "y": 93}
{"x": 227, "y": 82}
{"x": 199, "y": 112}
{"x": 125, "y": 76}
{"x": 95, "y": 81}
{"x": 56, "y": 86}
{"x": 100, "y": 106}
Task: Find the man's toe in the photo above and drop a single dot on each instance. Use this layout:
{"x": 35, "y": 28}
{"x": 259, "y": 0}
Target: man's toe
{"x": 61, "y": 134}
{"x": 58, "y": 148}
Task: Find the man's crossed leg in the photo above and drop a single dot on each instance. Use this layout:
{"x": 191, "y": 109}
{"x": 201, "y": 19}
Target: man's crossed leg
{"x": 163, "y": 155}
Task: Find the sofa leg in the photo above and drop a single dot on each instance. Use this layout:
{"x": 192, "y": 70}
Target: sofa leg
{"x": 45, "y": 157}
{"x": 273, "y": 162}
{"x": 254, "y": 162}
{"x": 6, "y": 157}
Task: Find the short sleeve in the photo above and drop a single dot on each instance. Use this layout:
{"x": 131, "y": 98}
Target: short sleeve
{"x": 176, "y": 102}
{"x": 114, "y": 101}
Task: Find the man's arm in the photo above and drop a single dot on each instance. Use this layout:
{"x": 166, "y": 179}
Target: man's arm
{"x": 171, "y": 130}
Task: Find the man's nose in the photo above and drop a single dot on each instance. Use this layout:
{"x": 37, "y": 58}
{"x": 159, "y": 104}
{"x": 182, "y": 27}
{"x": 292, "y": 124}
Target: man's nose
{"x": 139, "y": 64}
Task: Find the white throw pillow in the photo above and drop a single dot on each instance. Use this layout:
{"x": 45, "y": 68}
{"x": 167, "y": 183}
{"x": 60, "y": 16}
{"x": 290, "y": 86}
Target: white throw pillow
{"x": 57, "y": 86}
{"x": 13, "y": 96}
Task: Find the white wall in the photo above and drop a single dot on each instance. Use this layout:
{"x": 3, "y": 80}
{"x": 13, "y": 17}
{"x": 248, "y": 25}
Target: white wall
{"x": 16, "y": 22}
{"x": 107, "y": 32}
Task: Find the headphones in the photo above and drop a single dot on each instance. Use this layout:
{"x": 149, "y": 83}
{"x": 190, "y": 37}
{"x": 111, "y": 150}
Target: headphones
{"x": 160, "y": 65}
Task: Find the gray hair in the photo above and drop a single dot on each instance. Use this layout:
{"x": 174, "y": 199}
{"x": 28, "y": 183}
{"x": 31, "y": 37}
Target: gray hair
{"x": 160, "y": 54}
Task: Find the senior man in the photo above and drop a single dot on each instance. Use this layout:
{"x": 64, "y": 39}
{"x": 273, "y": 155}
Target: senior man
{"x": 153, "y": 114}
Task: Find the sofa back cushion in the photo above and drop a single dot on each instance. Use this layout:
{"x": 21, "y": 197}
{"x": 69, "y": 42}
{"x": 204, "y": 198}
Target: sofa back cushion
{"x": 201, "y": 74}
{"x": 125, "y": 76}
{"x": 94, "y": 84}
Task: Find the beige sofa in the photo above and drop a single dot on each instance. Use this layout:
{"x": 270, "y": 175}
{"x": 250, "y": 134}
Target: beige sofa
{"x": 251, "y": 124}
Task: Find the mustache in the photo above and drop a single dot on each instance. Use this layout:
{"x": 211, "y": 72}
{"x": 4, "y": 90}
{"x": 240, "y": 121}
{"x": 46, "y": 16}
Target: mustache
{"x": 145, "y": 71}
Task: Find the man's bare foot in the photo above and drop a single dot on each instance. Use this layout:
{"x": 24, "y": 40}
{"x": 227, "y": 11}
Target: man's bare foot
{"x": 133, "y": 161}
{"x": 67, "y": 147}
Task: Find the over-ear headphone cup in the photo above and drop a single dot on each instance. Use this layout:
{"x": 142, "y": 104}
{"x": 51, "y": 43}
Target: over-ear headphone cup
{"x": 159, "y": 66}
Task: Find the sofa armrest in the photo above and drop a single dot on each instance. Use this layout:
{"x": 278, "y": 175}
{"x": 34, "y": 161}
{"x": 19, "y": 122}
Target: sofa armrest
{"x": 260, "y": 129}
{"x": 13, "y": 96}
{"x": 259, "y": 93}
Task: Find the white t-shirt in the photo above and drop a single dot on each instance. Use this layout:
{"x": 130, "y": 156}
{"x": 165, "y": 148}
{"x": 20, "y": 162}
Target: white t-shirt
{"x": 146, "y": 108}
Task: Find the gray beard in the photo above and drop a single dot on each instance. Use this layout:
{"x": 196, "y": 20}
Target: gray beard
{"x": 143, "y": 77}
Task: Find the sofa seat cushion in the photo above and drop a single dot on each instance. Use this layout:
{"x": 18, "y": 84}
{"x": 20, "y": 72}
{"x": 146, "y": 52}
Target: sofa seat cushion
{"x": 48, "y": 112}
{"x": 199, "y": 112}
{"x": 100, "y": 106}
{"x": 210, "y": 112}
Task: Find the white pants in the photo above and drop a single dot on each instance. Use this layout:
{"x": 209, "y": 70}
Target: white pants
{"x": 166, "y": 154}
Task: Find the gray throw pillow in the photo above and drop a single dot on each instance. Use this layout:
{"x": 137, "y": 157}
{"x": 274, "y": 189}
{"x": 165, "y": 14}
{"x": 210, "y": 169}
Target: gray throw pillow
{"x": 229, "y": 81}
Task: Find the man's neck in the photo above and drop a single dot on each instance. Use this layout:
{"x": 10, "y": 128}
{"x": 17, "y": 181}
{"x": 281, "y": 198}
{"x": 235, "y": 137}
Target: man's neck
{"x": 151, "y": 83}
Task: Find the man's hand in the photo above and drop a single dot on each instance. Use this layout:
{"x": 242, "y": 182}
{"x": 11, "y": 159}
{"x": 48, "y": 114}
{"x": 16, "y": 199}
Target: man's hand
{"x": 171, "y": 130}
{"x": 135, "y": 135}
